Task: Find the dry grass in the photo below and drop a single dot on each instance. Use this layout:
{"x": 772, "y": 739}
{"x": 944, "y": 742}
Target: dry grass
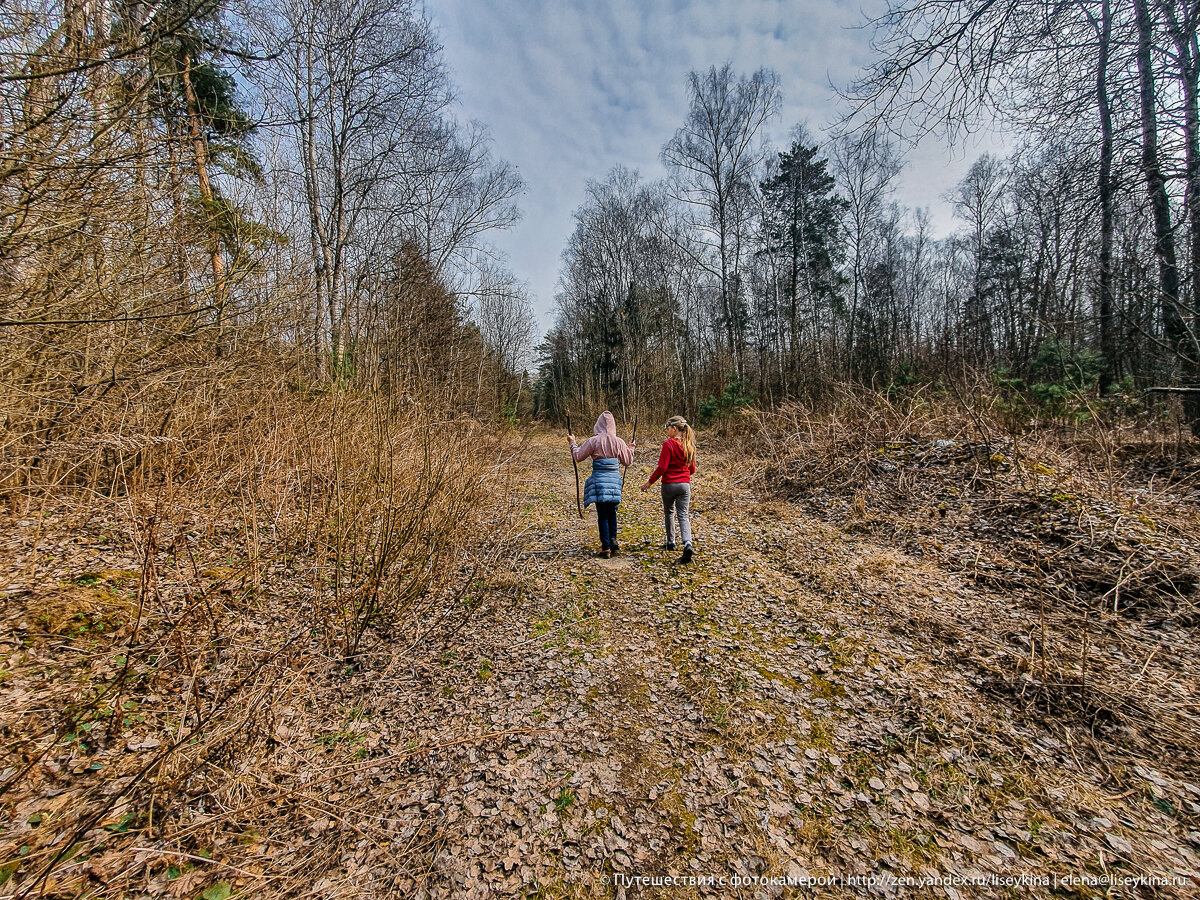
{"x": 194, "y": 578}
{"x": 1079, "y": 544}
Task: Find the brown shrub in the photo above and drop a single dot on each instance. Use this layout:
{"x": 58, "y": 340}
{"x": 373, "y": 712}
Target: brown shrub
{"x": 194, "y": 553}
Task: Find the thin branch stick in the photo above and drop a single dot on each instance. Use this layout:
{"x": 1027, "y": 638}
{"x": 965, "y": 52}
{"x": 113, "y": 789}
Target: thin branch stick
{"x": 203, "y": 859}
{"x": 578, "y": 500}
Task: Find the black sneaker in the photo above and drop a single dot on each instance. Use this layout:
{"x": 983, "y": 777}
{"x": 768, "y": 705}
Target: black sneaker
{"x": 668, "y": 546}
{"x": 616, "y": 548}
{"x": 604, "y": 554}
{"x": 687, "y": 556}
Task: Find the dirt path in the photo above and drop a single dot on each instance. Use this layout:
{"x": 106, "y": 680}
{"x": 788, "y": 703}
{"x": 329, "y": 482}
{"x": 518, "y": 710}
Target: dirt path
{"x": 768, "y": 711}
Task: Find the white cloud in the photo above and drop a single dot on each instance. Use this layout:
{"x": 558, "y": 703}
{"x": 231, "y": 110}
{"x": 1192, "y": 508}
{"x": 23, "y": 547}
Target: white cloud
{"x": 571, "y": 89}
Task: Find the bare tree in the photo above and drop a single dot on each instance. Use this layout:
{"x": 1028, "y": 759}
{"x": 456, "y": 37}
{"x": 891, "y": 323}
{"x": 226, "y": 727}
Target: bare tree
{"x": 506, "y": 323}
{"x": 866, "y": 167}
{"x": 978, "y": 200}
{"x": 714, "y": 157}
{"x": 459, "y": 194}
{"x": 1183, "y": 340}
{"x": 365, "y": 88}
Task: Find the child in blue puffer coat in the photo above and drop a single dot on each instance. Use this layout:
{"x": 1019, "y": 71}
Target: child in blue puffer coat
{"x": 603, "y": 486}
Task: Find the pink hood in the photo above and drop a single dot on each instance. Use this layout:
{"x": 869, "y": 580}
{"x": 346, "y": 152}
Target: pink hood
{"x": 604, "y": 443}
{"x": 606, "y": 425}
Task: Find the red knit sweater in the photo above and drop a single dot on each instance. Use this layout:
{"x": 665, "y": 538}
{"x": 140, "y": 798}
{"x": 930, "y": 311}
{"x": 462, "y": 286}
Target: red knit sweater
{"x": 672, "y": 464}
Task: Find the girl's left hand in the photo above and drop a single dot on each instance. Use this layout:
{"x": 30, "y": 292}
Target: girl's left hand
{"x": 570, "y": 438}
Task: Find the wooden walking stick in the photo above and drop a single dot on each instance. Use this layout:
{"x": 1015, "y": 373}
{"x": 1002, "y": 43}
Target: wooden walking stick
{"x": 578, "y": 501}
{"x": 624, "y": 469}
{"x": 636, "y": 409}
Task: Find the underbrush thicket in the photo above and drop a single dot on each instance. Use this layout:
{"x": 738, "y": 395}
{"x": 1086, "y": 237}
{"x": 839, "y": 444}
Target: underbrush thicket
{"x": 1081, "y": 541}
{"x": 197, "y": 564}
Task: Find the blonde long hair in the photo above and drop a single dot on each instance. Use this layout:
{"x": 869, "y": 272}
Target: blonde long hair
{"x": 687, "y": 437}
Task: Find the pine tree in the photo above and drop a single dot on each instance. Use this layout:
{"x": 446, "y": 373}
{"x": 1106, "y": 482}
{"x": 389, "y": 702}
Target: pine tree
{"x": 803, "y": 212}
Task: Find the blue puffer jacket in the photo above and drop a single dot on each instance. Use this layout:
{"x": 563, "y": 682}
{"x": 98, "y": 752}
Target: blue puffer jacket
{"x": 604, "y": 484}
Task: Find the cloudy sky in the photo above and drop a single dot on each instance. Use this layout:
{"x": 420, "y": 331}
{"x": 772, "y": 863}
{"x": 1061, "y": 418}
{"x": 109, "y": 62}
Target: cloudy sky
{"x": 570, "y": 88}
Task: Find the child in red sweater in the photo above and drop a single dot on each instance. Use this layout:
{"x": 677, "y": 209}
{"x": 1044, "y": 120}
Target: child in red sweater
{"x": 676, "y": 465}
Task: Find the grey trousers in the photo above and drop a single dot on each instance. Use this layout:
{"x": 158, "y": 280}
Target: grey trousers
{"x": 676, "y": 500}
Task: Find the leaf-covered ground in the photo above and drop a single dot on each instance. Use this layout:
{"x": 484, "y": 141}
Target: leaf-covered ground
{"x": 787, "y": 706}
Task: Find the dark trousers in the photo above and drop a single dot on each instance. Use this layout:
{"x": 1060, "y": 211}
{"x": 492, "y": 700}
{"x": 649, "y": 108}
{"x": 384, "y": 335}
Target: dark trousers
{"x": 606, "y": 519}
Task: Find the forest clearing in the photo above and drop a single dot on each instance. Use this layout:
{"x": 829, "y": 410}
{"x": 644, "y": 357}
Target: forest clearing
{"x": 314, "y": 583}
{"x": 840, "y": 693}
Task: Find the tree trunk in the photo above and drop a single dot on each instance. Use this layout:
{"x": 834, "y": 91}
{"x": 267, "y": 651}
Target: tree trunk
{"x": 200, "y": 149}
{"x": 180, "y": 222}
{"x": 1175, "y": 329}
{"x": 1108, "y": 343}
{"x": 1187, "y": 54}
